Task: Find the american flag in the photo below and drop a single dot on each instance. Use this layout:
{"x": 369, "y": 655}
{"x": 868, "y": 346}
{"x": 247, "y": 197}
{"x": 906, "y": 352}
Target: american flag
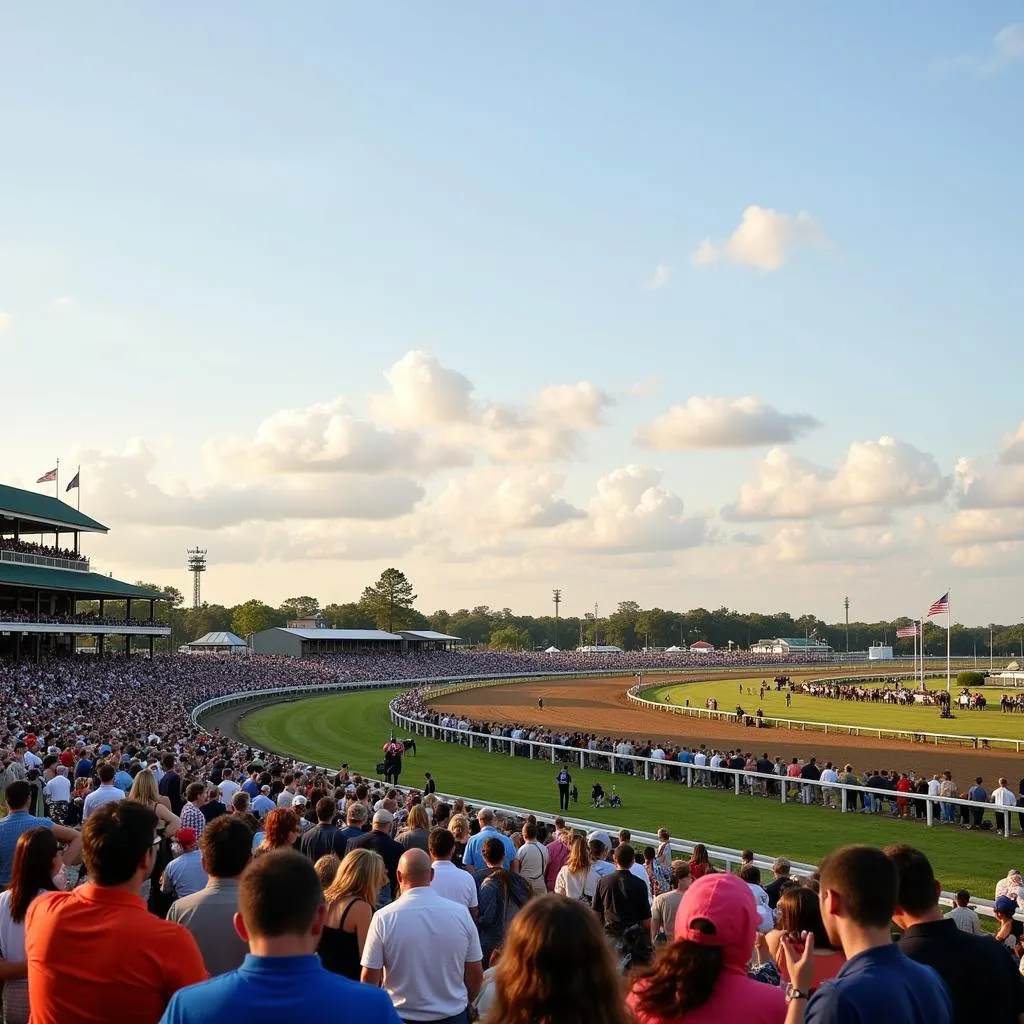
{"x": 940, "y": 607}
{"x": 906, "y": 631}
{"x": 47, "y": 477}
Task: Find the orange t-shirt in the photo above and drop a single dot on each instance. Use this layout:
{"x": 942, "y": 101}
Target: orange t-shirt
{"x": 96, "y": 955}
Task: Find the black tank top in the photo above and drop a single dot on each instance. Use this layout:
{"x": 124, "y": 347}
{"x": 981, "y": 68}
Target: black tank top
{"x": 339, "y": 949}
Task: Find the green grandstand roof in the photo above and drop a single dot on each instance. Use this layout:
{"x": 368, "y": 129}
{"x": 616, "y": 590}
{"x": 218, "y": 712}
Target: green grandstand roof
{"x": 17, "y": 503}
{"x": 84, "y": 584}
{"x": 801, "y": 641}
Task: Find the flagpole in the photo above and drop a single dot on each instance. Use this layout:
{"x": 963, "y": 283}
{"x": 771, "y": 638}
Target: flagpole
{"x": 56, "y": 481}
{"x": 79, "y": 487}
{"x": 949, "y": 641}
{"x": 915, "y": 651}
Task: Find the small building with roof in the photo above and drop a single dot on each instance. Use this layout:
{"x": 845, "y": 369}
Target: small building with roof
{"x": 428, "y": 640}
{"x": 701, "y": 647}
{"x": 219, "y": 642}
{"x": 295, "y": 642}
{"x": 789, "y": 645}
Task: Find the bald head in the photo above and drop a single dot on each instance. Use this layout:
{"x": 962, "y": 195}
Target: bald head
{"x": 414, "y": 870}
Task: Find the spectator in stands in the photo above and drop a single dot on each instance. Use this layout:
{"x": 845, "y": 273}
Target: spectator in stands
{"x": 262, "y": 804}
{"x": 137, "y": 961}
{"x": 144, "y": 790}
{"x": 556, "y": 966}
{"x": 105, "y": 793}
{"x": 473, "y": 857}
{"x": 502, "y": 894}
{"x": 1010, "y": 930}
{"x": 280, "y": 832}
{"x": 185, "y": 874}
{"x": 700, "y": 863}
{"x": 1010, "y": 886}
{"x": 459, "y": 827}
{"x": 191, "y": 812}
{"x": 622, "y": 903}
{"x": 355, "y": 824}
{"x": 18, "y": 796}
{"x": 326, "y": 869}
{"x": 558, "y": 852}
{"x": 424, "y": 949}
{"x": 1003, "y": 796}
{"x": 449, "y": 881}
{"x": 213, "y": 806}
{"x": 702, "y": 976}
{"x": 239, "y": 810}
{"x": 968, "y": 964}
{"x": 350, "y": 900}
{"x": 36, "y": 863}
{"x": 379, "y": 840}
{"x": 533, "y": 860}
{"x": 780, "y": 881}
{"x": 859, "y": 890}
{"x": 417, "y": 830}
{"x": 665, "y": 906}
{"x": 751, "y": 874}
{"x": 226, "y": 848}
{"x": 798, "y": 913}
{"x": 227, "y": 787}
{"x": 963, "y": 915}
{"x": 170, "y": 783}
{"x": 577, "y": 878}
{"x": 281, "y": 914}
{"x": 324, "y": 837}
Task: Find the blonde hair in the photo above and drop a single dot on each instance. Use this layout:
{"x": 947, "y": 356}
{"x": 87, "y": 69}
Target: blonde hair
{"x": 144, "y": 788}
{"x": 417, "y": 817}
{"x": 579, "y": 856}
{"x": 326, "y": 869}
{"x": 362, "y": 875}
{"x": 458, "y": 825}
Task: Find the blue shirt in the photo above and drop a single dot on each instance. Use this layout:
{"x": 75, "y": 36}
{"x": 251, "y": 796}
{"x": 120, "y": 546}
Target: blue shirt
{"x": 882, "y": 984}
{"x": 474, "y": 856}
{"x": 11, "y": 829}
{"x": 279, "y": 990}
{"x": 123, "y": 781}
{"x": 185, "y": 874}
{"x": 252, "y": 787}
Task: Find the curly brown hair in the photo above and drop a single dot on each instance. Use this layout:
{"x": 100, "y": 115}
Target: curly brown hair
{"x": 556, "y": 967}
{"x": 279, "y": 825}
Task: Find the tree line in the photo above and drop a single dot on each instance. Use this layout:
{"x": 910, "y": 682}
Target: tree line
{"x": 389, "y": 603}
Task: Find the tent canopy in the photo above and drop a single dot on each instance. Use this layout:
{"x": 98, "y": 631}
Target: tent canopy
{"x": 220, "y": 639}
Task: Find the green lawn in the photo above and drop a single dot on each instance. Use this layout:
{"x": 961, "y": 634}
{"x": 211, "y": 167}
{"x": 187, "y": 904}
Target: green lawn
{"x": 354, "y": 727}
{"x": 990, "y": 722}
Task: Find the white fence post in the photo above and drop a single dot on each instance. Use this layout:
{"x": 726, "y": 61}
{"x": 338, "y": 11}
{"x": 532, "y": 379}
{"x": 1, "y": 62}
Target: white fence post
{"x": 930, "y": 812}
{"x": 846, "y": 793}
{"x": 552, "y": 753}
{"x": 647, "y": 769}
{"x": 736, "y": 779}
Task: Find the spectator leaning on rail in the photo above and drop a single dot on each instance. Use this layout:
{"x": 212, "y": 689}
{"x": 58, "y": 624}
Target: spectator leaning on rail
{"x": 473, "y": 857}
{"x": 972, "y": 966}
{"x": 859, "y": 888}
{"x": 281, "y": 915}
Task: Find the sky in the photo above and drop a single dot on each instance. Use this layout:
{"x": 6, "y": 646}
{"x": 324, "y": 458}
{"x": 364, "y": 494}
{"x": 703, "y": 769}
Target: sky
{"x": 693, "y": 305}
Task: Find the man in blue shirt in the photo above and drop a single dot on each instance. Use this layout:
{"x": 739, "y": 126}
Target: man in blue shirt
{"x": 18, "y": 796}
{"x": 474, "y": 855}
{"x": 858, "y": 894}
{"x": 281, "y": 981}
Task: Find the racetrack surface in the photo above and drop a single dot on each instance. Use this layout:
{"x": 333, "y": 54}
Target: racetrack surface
{"x": 600, "y": 706}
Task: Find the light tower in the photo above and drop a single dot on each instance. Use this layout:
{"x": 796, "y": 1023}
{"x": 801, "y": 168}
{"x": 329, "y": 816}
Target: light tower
{"x": 846, "y": 605}
{"x": 196, "y": 566}
{"x": 556, "y": 596}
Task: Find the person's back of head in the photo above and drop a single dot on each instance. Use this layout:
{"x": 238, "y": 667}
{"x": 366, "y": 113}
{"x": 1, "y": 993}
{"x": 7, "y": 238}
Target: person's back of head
{"x": 355, "y": 814}
{"x": 106, "y": 773}
{"x": 225, "y": 847}
{"x": 414, "y": 870}
{"x": 493, "y": 852}
{"x": 194, "y": 791}
{"x": 17, "y": 795}
{"x": 963, "y": 898}
{"x": 751, "y": 875}
{"x": 556, "y": 965}
{"x": 680, "y": 872}
{"x": 441, "y": 844}
{"x": 326, "y": 809}
{"x": 781, "y": 867}
{"x": 597, "y": 849}
{"x": 280, "y": 904}
{"x": 240, "y": 802}
{"x": 858, "y": 885}
{"x": 918, "y": 891}
{"x": 625, "y": 856}
{"x": 530, "y": 831}
{"x": 117, "y": 843}
{"x": 485, "y": 816}
{"x": 167, "y": 762}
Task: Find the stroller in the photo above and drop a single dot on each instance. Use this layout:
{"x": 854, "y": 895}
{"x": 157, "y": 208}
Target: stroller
{"x": 597, "y": 795}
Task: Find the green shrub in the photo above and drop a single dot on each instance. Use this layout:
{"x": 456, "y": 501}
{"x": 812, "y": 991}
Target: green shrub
{"x": 969, "y": 680}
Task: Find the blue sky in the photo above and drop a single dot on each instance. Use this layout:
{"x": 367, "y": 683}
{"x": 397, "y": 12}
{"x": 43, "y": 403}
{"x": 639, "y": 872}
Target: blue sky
{"x": 212, "y": 213}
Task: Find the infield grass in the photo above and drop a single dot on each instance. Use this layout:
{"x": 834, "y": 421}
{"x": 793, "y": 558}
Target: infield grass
{"x": 990, "y": 722}
{"x": 353, "y": 728}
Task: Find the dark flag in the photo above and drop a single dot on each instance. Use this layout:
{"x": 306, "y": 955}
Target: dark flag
{"x": 74, "y": 482}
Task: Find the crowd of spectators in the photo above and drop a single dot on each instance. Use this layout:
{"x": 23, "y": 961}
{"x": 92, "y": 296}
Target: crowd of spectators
{"x": 79, "y": 619}
{"x": 154, "y": 871}
{"x": 25, "y": 547}
{"x": 705, "y": 766}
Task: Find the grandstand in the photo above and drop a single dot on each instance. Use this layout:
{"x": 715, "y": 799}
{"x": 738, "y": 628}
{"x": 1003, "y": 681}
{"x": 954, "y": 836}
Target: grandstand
{"x": 49, "y": 595}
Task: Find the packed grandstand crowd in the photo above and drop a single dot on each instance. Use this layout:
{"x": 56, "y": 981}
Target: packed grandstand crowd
{"x": 152, "y": 870}
{"x": 24, "y": 547}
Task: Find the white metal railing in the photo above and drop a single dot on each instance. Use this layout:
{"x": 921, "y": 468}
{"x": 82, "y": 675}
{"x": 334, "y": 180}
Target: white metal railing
{"x": 49, "y": 561}
{"x": 830, "y": 794}
{"x": 803, "y": 725}
{"x": 726, "y": 856}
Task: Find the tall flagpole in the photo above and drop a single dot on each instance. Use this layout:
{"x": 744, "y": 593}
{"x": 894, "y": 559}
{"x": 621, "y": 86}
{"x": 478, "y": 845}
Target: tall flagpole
{"x": 949, "y": 641}
{"x": 922, "y": 652}
{"x": 915, "y": 650}
{"x": 56, "y": 481}
{"x": 79, "y": 487}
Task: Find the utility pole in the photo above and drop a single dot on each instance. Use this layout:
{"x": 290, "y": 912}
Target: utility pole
{"x": 595, "y": 625}
{"x": 846, "y": 605}
{"x": 991, "y": 648}
{"x": 556, "y": 596}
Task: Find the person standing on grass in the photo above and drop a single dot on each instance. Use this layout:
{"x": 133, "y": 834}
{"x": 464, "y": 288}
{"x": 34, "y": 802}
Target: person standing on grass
{"x": 564, "y": 780}
{"x": 1003, "y": 796}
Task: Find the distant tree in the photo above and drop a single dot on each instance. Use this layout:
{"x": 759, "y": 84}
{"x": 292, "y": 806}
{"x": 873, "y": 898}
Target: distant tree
{"x": 351, "y": 615}
{"x": 300, "y": 607}
{"x": 390, "y": 600}
{"x": 510, "y": 638}
{"x": 253, "y": 617}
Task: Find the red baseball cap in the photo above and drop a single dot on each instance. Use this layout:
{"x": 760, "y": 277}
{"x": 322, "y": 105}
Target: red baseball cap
{"x": 186, "y": 836}
{"x": 727, "y": 903}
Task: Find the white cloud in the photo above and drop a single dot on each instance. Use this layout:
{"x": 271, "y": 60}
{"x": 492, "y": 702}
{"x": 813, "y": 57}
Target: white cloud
{"x": 714, "y": 422}
{"x": 125, "y": 492}
{"x": 982, "y": 526}
{"x": 423, "y": 393}
{"x": 764, "y": 239}
{"x": 5, "y": 321}
{"x": 999, "y": 486}
{"x": 879, "y": 474}
{"x": 631, "y": 513}
{"x": 1012, "y": 450}
{"x": 1009, "y": 42}
{"x": 659, "y": 278}
{"x": 62, "y": 300}
{"x": 1007, "y": 46}
{"x": 805, "y": 543}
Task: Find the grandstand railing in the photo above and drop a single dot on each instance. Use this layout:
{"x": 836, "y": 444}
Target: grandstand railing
{"x": 725, "y": 856}
{"x": 802, "y": 725}
{"x": 50, "y": 562}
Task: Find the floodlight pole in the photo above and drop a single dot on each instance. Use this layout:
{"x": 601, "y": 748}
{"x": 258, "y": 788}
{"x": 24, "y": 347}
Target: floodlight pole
{"x": 846, "y": 605}
{"x": 556, "y": 596}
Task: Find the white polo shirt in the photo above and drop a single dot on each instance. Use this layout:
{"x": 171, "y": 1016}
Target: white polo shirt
{"x": 228, "y": 788}
{"x": 1003, "y": 797}
{"x": 423, "y": 942}
{"x": 58, "y": 789}
{"x": 98, "y": 797}
{"x": 454, "y": 884}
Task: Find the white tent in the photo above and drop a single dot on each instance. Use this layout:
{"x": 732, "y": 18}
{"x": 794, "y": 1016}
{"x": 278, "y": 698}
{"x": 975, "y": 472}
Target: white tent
{"x": 218, "y": 643}
{"x": 551, "y": 650}
{"x": 674, "y": 649}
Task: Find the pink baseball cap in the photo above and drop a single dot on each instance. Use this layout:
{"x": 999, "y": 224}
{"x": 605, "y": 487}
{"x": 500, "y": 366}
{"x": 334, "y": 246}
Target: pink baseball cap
{"x": 727, "y": 903}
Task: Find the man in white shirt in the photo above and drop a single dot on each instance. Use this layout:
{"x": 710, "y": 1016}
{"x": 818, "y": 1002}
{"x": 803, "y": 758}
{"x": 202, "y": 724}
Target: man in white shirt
{"x": 106, "y": 794}
{"x": 1003, "y": 797}
{"x": 58, "y": 789}
{"x": 228, "y": 787}
{"x": 963, "y": 915}
{"x": 600, "y": 844}
{"x": 934, "y": 783}
{"x": 423, "y": 948}
{"x": 533, "y": 860}
{"x": 829, "y": 776}
{"x": 700, "y": 759}
{"x": 262, "y": 804}
{"x": 450, "y": 881}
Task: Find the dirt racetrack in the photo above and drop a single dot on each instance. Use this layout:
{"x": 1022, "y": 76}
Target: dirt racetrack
{"x": 600, "y": 706}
